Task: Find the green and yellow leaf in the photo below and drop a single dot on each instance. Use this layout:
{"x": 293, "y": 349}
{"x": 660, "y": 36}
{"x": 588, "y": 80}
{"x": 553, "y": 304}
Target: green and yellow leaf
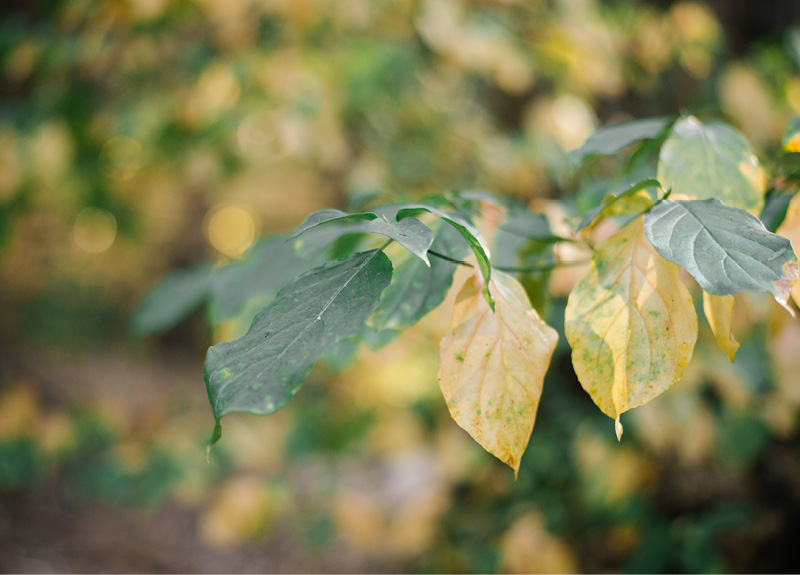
{"x": 719, "y": 313}
{"x": 630, "y": 323}
{"x": 492, "y": 365}
{"x": 711, "y": 160}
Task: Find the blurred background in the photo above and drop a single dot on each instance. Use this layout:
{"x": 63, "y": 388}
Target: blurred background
{"x": 143, "y": 136}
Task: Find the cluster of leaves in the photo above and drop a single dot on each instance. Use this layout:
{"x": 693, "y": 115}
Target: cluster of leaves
{"x": 630, "y": 320}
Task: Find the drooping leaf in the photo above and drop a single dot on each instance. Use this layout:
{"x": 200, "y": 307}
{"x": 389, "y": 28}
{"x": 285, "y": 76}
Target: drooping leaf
{"x": 725, "y": 249}
{"x": 416, "y": 289}
{"x": 261, "y": 371}
{"x": 719, "y": 313}
{"x": 470, "y": 234}
{"x": 790, "y": 229}
{"x": 492, "y": 365}
{"x": 630, "y": 322}
{"x": 711, "y": 160}
{"x": 612, "y": 139}
{"x": 177, "y": 295}
{"x": 634, "y": 200}
{"x": 410, "y": 233}
{"x": 791, "y": 136}
{"x": 270, "y": 265}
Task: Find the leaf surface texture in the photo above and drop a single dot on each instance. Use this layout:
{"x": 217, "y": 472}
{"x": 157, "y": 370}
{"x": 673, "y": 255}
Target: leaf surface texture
{"x": 492, "y": 366}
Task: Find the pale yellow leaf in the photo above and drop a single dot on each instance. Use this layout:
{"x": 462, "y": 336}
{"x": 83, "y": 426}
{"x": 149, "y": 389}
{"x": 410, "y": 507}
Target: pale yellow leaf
{"x": 492, "y": 365}
{"x": 719, "y": 313}
{"x": 790, "y": 229}
{"x": 630, "y": 323}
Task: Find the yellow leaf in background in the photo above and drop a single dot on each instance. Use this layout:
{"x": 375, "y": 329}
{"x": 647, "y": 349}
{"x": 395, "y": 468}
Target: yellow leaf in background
{"x": 527, "y": 547}
{"x": 630, "y": 323}
{"x": 719, "y": 313}
{"x": 492, "y": 365}
{"x": 790, "y": 229}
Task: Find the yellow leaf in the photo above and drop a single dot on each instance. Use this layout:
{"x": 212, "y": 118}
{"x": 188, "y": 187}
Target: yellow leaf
{"x": 528, "y": 547}
{"x": 491, "y": 365}
{"x": 719, "y": 313}
{"x": 790, "y": 229}
{"x": 630, "y": 323}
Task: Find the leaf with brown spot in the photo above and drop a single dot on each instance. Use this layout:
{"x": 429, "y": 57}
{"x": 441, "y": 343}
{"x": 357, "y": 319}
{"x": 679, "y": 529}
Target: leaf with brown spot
{"x": 719, "y": 313}
{"x": 630, "y": 323}
{"x": 492, "y": 365}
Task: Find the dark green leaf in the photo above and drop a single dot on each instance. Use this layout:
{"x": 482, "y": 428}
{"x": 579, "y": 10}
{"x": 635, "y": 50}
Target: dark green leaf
{"x": 612, "y": 139}
{"x": 176, "y": 296}
{"x": 261, "y": 371}
{"x": 711, "y": 160}
{"x": 775, "y": 206}
{"x": 416, "y": 289}
{"x": 473, "y": 238}
{"x": 412, "y": 234}
{"x": 727, "y": 250}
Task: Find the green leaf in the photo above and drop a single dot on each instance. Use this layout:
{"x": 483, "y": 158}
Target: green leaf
{"x": 329, "y": 215}
{"x": 727, "y": 250}
{"x": 627, "y": 202}
{"x": 612, "y": 139}
{"x": 176, "y": 296}
{"x": 417, "y": 289}
{"x": 641, "y": 165}
{"x": 470, "y": 234}
{"x": 412, "y": 234}
{"x": 711, "y": 160}
{"x": 775, "y": 206}
{"x": 261, "y": 371}
{"x": 270, "y": 265}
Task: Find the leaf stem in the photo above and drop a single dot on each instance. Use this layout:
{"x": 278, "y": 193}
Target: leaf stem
{"x": 449, "y": 259}
{"x": 542, "y": 268}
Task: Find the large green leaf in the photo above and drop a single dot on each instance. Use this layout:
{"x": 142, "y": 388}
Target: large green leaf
{"x": 411, "y": 233}
{"x": 470, "y": 234}
{"x": 727, "y": 250}
{"x": 176, "y": 296}
{"x": 270, "y": 265}
{"x": 416, "y": 289}
{"x": 711, "y": 160}
{"x": 612, "y": 139}
{"x": 261, "y": 371}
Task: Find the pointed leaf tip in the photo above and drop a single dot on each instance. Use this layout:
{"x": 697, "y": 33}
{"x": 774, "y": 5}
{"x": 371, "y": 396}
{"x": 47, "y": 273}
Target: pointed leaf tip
{"x": 618, "y": 428}
{"x": 492, "y": 366}
{"x": 630, "y": 322}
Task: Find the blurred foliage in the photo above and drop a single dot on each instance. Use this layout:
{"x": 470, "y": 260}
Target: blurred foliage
{"x": 142, "y": 136}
